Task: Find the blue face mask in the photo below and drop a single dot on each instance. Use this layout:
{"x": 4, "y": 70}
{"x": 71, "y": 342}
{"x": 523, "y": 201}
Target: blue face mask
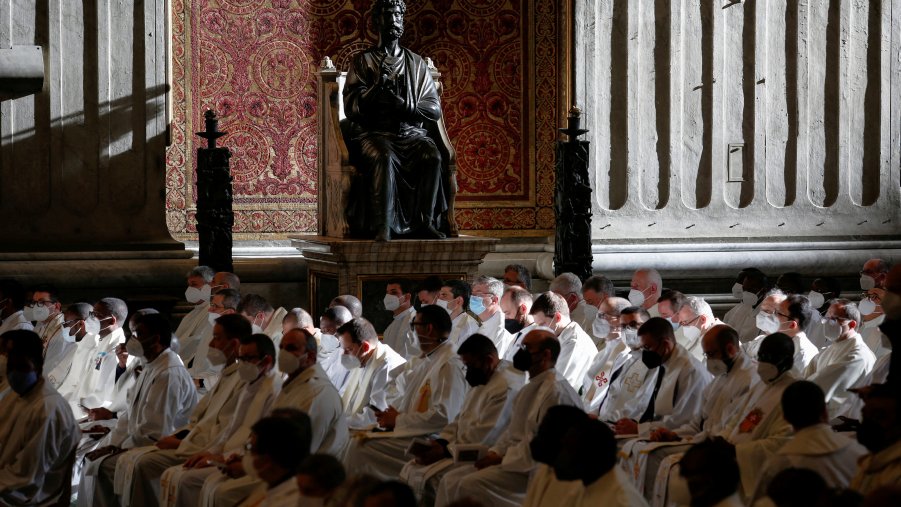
{"x": 476, "y": 304}
{"x": 21, "y": 382}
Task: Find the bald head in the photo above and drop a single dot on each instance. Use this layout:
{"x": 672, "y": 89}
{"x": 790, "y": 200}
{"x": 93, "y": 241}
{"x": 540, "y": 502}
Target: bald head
{"x": 543, "y": 349}
{"x": 648, "y": 282}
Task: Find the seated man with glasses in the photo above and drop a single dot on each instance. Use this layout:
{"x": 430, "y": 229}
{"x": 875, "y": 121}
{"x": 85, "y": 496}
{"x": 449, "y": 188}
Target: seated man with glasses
{"x": 613, "y": 353}
{"x": 45, "y": 311}
{"x": 427, "y": 395}
{"x": 793, "y": 316}
{"x": 695, "y": 320}
{"x": 626, "y": 395}
{"x": 845, "y": 361}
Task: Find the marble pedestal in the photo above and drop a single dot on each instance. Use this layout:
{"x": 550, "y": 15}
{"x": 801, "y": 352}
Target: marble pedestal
{"x": 361, "y": 267}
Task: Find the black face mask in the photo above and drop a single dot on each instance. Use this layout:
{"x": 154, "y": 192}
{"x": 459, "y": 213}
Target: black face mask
{"x": 513, "y": 326}
{"x": 651, "y": 359}
{"x": 522, "y": 360}
{"x": 476, "y": 377}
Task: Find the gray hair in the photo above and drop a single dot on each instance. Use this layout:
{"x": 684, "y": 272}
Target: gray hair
{"x": 205, "y": 272}
{"x": 340, "y": 315}
{"x": 230, "y": 298}
{"x": 495, "y": 286}
{"x": 83, "y": 310}
{"x": 698, "y": 306}
{"x": 565, "y": 284}
{"x": 117, "y": 308}
{"x": 618, "y": 304}
{"x": 600, "y": 284}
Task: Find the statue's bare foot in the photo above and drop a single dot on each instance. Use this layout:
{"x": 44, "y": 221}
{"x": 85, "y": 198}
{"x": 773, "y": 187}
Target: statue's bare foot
{"x": 431, "y": 232}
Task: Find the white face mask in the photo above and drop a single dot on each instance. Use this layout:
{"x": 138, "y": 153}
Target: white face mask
{"x": 248, "y": 372}
{"x": 443, "y": 304}
{"x": 350, "y": 361}
{"x": 195, "y": 295}
{"x": 590, "y": 312}
{"x": 211, "y": 317}
{"x": 748, "y": 298}
{"x": 636, "y": 297}
{"x": 391, "y": 302}
{"x": 215, "y": 356}
{"x": 134, "y": 347}
{"x": 717, "y": 367}
{"x": 767, "y": 323}
{"x": 630, "y": 338}
{"x": 691, "y": 333}
{"x": 867, "y": 282}
{"x": 866, "y": 306}
{"x": 28, "y": 313}
{"x": 816, "y": 299}
{"x": 41, "y": 313}
{"x": 600, "y": 327}
{"x": 831, "y": 329}
{"x": 92, "y": 326}
{"x": 247, "y": 464}
{"x": 288, "y": 362}
{"x": 67, "y": 336}
{"x": 737, "y": 290}
{"x": 767, "y": 372}
{"x": 891, "y": 305}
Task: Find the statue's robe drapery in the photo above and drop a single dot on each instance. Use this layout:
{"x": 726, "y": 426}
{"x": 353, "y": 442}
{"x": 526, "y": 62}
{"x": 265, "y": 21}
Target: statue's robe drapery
{"x": 401, "y": 188}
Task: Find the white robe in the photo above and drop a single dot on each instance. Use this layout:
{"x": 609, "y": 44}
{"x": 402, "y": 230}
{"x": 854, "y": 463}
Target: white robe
{"x": 397, "y": 333}
{"x": 57, "y": 352}
{"x": 816, "y": 332}
{"x": 37, "y": 453}
{"x": 597, "y": 377}
{"x": 872, "y": 336}
{"x": 493, "y": 328}
{"x": 484, "y": 416}
{"x": 694, "y": 346}
{"x": 759, "y": 429}
{"x": 743, "y": 318}
{"x": 199, "y": 367}
{"x": 274, "y": 328}
{"x": 613, "y": 488}
{"x": 100, "y": 381}
{"x": 679, "y": 398}
{"x": 516, "y": 342}
{"x": 15, "y": 321}
{"x": 804, "y": 353}
{"x": 191, "y": 329}
{"x": 839, "y": 366}
{"x": 878, "y": 375}
{"x": 577, "y": 350}
{"x": 722, "y": 398}
{"x": 583, "y": 315}
{"x": 164, "y": 397}
{"x": 629, "y": 392}
{"x": 506, "y": 483}
{"x": 75, "y": 384}
{"x": 368, "y": 385}
{"x": 429, "y": 395}
{"x": 328, "y": 357}
{"x": 313, "y": 393}
{"x": 832, "y": 455}
{"x": 462, "y": 327}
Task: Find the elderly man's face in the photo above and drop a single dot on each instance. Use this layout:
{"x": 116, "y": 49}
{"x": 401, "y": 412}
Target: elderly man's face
{"x": 391, "y": 22}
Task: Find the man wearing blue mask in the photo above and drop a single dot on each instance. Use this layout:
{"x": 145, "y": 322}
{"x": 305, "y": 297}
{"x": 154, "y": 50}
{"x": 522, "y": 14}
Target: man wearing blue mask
{"x": 39, "y": 442}
{"x": 486, "y": 303}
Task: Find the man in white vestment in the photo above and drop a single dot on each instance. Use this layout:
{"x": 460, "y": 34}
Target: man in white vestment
{"x": 766, "y": 321}
{"x": 45, "y": 310}
{"x": 501, "y": 477}
{"x": 669, "y": 305}
{"x": 516, "y": 304}
{"x": 181, "y": 484}
{"x": 750, "y": 288}
{"x": 39, "y": 436}
{"x": 427, "y": 290}
{"x": 487, "y": 293}
{"x": 372, "y": 365}
{"x": 161, "y": 402}
{"x": 205, "y": 375}
{"x": 679, "y": 381}
{"x": 645, "y": 289}
{"x": 583, "y": 470}
{"x": 814, "y": 445}
{"x": 793, "y": 314}
{"x": 429, "y": 395}
{"x": 695, "y": 320}
{"x": 399, "y": 301}
{"x": 576, "y": 348}
{"x": 106, "y": 370}
{"x": 195, "y": 325}
{"x": 328, "y": 346}
{"x": 734, "y": 373}
{"x": 873, "y": 278}
{"x": 569, "y": 287}
{"x": 306, "y": 388}
{"x": 454, "y": 297}
{"x": 845, "y": 361}
{"x": 595, "y": 291}
{"x": 12, "y": 306}
{"x": 629, "y": 385}
{"x": 213, "y": 413}
{"x": 609, "y": 358}
{"x": 485, "y": 414}
{"x": 70, "y": 380}
{"x": 262, "y": 316}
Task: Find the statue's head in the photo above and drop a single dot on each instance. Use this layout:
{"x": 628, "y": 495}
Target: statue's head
{"x": 388, "y": 18}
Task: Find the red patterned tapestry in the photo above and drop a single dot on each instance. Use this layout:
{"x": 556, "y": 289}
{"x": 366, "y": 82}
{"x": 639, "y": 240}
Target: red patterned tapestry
{"x": 254, "y": 62}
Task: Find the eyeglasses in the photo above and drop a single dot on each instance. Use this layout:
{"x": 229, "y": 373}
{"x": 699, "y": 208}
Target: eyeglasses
{"x": 250, "y": 359}
{"x": 872, "y": 296}
{"x": 70, "y": 323}
{"x": 684, "y": 324}
{"x": 786, "y": 317}
{"x": 99, "y": 316}
{"x": 42, "y": 303}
